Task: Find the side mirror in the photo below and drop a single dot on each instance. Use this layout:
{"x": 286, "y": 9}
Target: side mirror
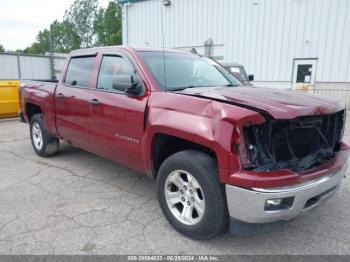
{"x": 251, "y": 77}
{"x": 126, "y": 83}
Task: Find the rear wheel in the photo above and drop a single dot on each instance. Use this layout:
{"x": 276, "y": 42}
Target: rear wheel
{"x": 190, "y": 194}
{"x": 43, "y": 143}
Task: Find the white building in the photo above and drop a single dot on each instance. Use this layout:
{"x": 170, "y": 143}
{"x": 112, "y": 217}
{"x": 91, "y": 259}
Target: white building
{"x": 281, "y": 42}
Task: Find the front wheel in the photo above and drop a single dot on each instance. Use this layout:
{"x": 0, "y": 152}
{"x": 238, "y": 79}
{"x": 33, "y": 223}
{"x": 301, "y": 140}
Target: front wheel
{"x": 190, "y": 194}
{"x": 43, "y": 143}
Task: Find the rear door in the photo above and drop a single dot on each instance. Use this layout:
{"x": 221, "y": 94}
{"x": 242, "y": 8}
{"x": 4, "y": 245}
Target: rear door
{"x": 116, "y": 124}
{"x": 72, "y": 101}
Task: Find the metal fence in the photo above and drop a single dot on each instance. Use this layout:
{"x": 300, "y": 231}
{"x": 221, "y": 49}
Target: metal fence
{"x": 340, "y": 95}
{"x": 337, "y": 91}
{"x": 23, "y": 66}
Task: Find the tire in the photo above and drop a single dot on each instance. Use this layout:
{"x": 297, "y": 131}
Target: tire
{"x": 43, "y": 143}
{"x": 201, "y": 224}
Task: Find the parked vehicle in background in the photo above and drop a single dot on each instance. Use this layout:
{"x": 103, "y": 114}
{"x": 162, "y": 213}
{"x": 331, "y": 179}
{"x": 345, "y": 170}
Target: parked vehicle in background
{"x": 222, "y": 153}
{"x": 239, "y": 72}
{"x": 9, "y": 105}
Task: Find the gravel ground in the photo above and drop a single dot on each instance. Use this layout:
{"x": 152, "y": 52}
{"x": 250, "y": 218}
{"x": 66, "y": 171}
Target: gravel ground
{"x": 78, "y": 203}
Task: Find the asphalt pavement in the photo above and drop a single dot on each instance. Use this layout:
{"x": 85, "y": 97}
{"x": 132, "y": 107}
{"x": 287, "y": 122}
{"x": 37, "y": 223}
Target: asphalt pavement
{"x": 79, "y": 203}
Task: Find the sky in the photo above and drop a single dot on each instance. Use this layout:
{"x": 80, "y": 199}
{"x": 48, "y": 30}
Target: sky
{"x": 21, "y": 20}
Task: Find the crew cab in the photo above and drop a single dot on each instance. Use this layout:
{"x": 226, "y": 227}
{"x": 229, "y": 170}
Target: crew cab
{"x": 223, "y": 155}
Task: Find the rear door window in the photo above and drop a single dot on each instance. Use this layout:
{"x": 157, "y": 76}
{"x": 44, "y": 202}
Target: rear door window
{"x": 79, "y": 71}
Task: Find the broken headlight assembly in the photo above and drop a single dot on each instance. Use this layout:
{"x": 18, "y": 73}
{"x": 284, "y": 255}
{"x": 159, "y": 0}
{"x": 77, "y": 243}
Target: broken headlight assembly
{"x": 297, "y": 144}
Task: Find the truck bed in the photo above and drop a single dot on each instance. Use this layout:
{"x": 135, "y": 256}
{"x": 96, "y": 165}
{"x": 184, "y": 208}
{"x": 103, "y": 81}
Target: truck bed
{"x": 40, "y": 93}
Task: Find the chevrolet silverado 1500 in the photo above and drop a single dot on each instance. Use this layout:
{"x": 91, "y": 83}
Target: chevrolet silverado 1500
{"x": 223, "y": 154}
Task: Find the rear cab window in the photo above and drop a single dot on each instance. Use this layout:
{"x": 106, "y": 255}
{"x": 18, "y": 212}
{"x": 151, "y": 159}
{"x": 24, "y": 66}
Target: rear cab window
{"x": 79, "y": 71}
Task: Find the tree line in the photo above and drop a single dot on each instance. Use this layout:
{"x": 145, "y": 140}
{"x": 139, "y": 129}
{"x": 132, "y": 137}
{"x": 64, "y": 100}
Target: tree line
{"x": 84, "y": 24}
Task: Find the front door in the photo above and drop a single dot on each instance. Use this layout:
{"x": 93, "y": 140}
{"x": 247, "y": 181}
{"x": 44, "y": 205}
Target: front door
{"x": 116, "y": 123}
{"x": 304, "y": 72}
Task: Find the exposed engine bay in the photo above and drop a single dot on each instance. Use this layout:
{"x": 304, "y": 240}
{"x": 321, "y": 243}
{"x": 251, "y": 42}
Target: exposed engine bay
{"x": 298, "y": 144}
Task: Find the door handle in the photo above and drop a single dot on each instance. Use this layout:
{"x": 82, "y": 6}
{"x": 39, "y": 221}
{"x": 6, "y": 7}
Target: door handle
{"x": 94, "y": 101}
{"x": 60, "y": 96}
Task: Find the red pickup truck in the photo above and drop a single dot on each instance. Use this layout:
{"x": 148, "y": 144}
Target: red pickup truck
{"x": 222, "y": 154}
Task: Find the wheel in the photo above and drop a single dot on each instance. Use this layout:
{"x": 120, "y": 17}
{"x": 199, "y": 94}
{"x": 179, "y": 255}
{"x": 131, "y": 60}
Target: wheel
{"x": 191, "y": 196}
{"x": 43, "y": 143}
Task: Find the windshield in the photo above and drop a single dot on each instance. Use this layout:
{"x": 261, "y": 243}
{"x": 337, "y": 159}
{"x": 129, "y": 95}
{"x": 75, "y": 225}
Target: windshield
{"x": 185, "y": 70}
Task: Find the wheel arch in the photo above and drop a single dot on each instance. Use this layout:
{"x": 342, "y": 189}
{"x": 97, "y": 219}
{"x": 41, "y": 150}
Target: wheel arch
{"x": 31, "y": 110}
{"x": 164, "y": 145}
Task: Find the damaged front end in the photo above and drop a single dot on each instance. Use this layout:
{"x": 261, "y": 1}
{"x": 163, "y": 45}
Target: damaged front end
{"x": 298, "y": 144}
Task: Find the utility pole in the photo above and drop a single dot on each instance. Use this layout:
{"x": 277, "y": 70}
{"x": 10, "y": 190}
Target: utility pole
{"x": 52, "y": 61}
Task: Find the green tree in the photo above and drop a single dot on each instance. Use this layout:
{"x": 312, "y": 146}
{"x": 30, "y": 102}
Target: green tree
{"x": 81, "y": 15}
{"x": 43, "y": 43}
{"x": 18, "y": 51}
{"x": 82, "y": 26}
{"x": 108, "y": 25}
{"x": 34, "y": 49}
{"x": 2, "y": 49}
{"x": 63, "y": 39}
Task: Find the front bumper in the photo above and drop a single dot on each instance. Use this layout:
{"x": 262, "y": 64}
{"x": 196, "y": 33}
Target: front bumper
{"x": 248, "y": 205}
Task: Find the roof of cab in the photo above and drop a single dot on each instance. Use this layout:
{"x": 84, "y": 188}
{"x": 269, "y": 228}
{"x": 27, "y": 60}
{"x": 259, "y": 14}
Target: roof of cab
{"x": 94, "y": 50}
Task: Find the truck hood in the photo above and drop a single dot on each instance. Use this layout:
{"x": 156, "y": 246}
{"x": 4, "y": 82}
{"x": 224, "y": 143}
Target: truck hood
{"x": 280, "y": 104}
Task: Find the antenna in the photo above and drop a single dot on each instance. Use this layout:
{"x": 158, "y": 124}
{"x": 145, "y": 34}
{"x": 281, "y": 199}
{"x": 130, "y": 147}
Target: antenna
{"x": 162, "y": 28}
